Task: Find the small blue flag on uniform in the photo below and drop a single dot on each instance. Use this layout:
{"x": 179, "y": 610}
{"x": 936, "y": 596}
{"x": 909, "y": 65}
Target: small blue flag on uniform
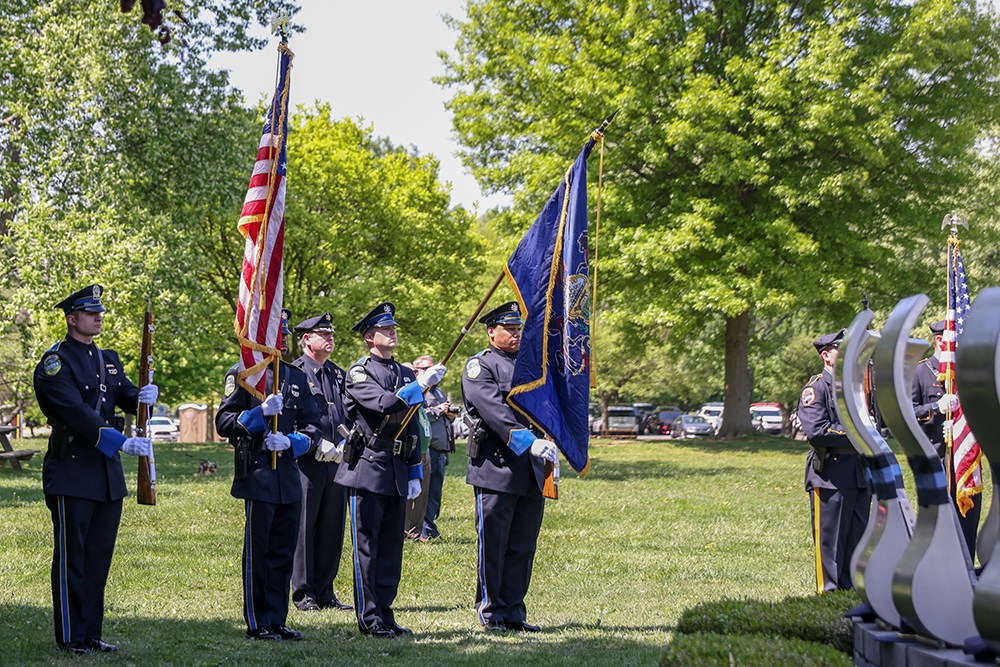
{"x": 549, "y": 275}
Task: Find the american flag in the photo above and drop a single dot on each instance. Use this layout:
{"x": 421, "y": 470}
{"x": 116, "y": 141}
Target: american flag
{"x": 966, "y": 455}
{"x": 262, "y": 224}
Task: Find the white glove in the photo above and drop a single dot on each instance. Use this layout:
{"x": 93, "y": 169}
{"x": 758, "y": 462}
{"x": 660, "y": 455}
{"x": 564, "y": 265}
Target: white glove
{"x": 412, "y": 489}
{"x": 947, "y": 402}
{"x": 545, "y": 449}
{"x": 327, "y": 451}
{"x": 277, "y": 442}
{"x": 272, "y": 405}
{"x": 138, "y": 446}
{"x": 149, "y": 394}
{"x": 431, "y": 376}
{"x": 946, "y": 428}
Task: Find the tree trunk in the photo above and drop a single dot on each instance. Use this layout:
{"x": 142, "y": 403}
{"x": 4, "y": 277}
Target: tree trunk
{"x": 736, "y": 415}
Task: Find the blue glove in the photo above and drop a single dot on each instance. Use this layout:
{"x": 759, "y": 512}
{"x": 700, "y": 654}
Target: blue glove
{"x": 149, "y": 394}
{"x": 137, "y": 446}
{"x": 412, "y": 489}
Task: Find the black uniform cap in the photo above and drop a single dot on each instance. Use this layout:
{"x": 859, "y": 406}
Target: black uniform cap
{"x": 286, "y": 315}
{"x": 88, "y": 299}
{"x": 508, "y": 313}
{"x": 829, "y": 340}
{"x": 937, "y": 328}
{"x": 320, "y": 323}
{"x": 382, "y": 315}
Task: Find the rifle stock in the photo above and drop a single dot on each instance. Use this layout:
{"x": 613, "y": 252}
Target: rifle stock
{"x": 146, "y": 480}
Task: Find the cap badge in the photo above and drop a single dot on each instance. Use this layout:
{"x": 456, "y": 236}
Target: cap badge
{"x": 97, "y": 291}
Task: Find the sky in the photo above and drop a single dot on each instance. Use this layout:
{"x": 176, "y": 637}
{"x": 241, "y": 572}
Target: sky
{"x": 372, "y": 60}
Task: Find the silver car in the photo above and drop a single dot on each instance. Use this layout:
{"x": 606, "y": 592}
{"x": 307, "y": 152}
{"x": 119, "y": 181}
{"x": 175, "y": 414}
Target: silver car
{"x": 691, "y": 426}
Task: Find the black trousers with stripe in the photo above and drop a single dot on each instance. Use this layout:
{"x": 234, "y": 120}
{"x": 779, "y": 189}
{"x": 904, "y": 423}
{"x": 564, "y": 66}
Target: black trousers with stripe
{"x": 268, "y": 548}
{"x": 320, "y": 541}
{"x": 507, "y": 527}
{"x": 377, "y": 523}
{"x": 85, "y": 532}
{"x": 839, "y": 521}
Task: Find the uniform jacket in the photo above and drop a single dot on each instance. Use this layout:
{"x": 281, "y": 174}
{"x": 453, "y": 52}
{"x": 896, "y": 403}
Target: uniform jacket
{"x": 240, "y": 419}
{"x": 371, "y": 399}
{"x": 927, "y": 391}
{"x": 843, "y": 468}
{"x": 331, "y": 411}
{"x": 67, "y": 386}
{"x": 498, "y": 467}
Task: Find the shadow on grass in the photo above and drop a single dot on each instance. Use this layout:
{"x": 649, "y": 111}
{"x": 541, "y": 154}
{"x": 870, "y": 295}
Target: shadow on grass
{"x": 750, "y": 444}
{"x": 619, "y": 471}
{"x": 27, "y": 638}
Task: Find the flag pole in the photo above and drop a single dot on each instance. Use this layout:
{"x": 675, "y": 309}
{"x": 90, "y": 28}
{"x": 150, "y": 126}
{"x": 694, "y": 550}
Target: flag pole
{"x": 953, "y": 221}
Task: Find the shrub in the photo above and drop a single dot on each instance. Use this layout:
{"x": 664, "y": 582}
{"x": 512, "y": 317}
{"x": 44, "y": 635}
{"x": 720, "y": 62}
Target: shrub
{"x": 711, "y": 650}
{"x": 816, "y": 618}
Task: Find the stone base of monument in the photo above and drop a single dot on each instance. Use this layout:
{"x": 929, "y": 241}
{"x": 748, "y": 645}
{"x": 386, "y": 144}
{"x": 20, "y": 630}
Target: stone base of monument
{"x": 875, "y": 647}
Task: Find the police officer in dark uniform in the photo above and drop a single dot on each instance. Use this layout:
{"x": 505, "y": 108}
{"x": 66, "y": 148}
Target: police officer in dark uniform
{"x": 324, "y": 502}
{"x": 836, "y": 479}
{"x": 381, "y": 469}
{"x": 78, "y": 386}
{"x": 272, "y": 497}
{"x": 930, "y": 403}
{"x": 506, "y": 469}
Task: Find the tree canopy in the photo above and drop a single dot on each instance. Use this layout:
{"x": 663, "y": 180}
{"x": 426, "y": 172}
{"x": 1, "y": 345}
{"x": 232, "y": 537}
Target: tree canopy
{"x": 770, "y": 158}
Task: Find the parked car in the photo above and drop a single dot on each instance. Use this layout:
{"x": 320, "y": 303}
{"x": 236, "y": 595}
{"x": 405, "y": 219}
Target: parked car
{"x": 622, "y": 419}
{"x": 665, "y": 417}
{"x": 712, "y": 412}
{"x": 691, "y": 426}
{"x": 162, "y": 428}
{"x": 766, "y": 418}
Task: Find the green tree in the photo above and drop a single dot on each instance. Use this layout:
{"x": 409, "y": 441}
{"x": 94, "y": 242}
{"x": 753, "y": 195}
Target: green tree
{"x": 771, "y": 157}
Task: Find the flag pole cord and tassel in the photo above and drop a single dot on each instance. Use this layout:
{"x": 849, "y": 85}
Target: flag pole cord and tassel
{"x": 597, "y": 237}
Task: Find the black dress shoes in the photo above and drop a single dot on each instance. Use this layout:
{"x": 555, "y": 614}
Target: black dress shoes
{"x": 380, "y": 632}
{"x": 401, "y": 631}
{"x": 522, "y": 626}
{"x": 307, "y": 604}
{"x": 495, "y": 626}
{"x": 336, "y": 604}
{"x": 286, "y": 633}
{"x": 103, "y": 647}
{"x": 264, "y": 633}
{"x": 76, "y": 648}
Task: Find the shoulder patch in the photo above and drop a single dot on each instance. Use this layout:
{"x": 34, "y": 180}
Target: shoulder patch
{"x": 51, "y": 365}
{"x": 473, "y": 368}
{"x": 357, "y": 374}
{"x": 808, "y": 396}
{"x": 230, "y": 385}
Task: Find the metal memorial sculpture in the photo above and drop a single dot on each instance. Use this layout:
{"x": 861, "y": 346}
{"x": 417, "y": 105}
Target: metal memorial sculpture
{"x": 933, "y": 583}
{"x": 978, "y": 364}
{"x": 890, "y": 524}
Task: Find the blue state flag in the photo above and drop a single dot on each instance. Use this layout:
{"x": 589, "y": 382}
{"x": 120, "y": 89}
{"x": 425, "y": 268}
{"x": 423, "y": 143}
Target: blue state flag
{"x": 549, "y": 275}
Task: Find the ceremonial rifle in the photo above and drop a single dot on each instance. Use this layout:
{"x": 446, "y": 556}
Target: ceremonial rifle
{"x": 146, "y": 484}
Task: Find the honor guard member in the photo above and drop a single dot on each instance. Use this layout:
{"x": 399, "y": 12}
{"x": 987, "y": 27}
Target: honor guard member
{"x": 324, "y": 502}
{"x": 506, "y": 469}
{"x": 78, "y": 386}
{"x": 930, "y": 403}
{"x": 381, "y": 469}
{"x": 272, "y": 497}
{"x": 836, "y": 479}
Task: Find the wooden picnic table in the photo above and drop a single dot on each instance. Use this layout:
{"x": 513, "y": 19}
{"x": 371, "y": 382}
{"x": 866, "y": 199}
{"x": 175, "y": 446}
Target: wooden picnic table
{"x": 9, "y": 453}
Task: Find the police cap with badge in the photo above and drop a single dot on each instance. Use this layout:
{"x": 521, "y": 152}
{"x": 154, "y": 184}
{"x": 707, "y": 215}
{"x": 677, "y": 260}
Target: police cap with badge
{"x": 286, "y": 315}
{"x": 319, "y": 324}
{"x": 937, "y": 328}
{"x": 508, "y": 313}
{"x": 87, "y": 299}
{"x": 382, "y": 315}
{"x": 829, "y": 340}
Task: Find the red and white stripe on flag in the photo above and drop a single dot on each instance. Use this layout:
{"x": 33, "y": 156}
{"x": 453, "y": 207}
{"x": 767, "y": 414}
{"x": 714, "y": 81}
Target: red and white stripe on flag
{"x": 262, "y": 224}
{"x": 966, "y": 453}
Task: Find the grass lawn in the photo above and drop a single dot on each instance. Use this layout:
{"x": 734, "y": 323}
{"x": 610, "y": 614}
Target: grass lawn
{"x": 654, "y": 528}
